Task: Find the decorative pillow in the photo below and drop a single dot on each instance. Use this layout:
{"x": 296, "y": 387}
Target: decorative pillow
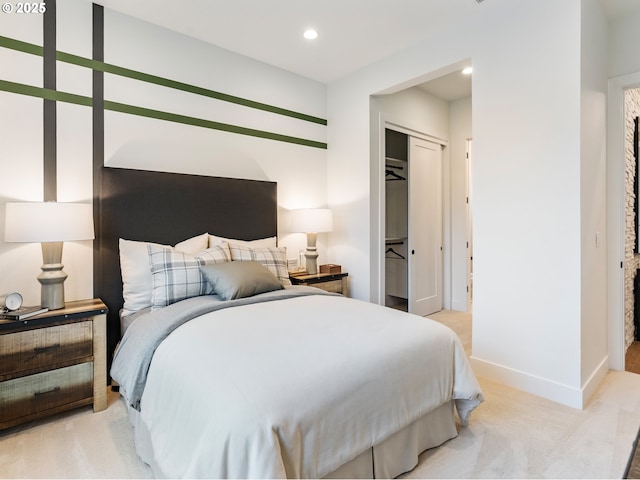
{"x": 176, "y": 275}
{"x": 240, "y": 279}
{"x": 218, "y": 254}
{"x": 136, "y": 276}
{"x": 194, "y": 245}
{"x": 275, "y": 259}
{"x": 269, "y": 242}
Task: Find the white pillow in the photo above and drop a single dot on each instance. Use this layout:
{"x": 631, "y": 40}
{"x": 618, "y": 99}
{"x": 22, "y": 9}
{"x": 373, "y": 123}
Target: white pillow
{"x": 269, "y": 242}
{"x": 275, "y": 259}
{"x": 176, "y": 275}
{"x": 136, "y": 274}
{"x": 194, "y": 245}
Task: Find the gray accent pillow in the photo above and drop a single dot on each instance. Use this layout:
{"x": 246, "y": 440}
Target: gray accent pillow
{"x": 176, "y": 275}
{"x": 233, "y": 280}
{"x": 275, "y": 259}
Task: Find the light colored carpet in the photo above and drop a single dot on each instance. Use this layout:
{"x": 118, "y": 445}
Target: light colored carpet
{"x": 511, "y": 435}
{"x": 75, "y": 444}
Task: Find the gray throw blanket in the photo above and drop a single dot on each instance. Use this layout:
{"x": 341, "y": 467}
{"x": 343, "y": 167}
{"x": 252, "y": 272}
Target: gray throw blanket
{"x": 135, "y": 351}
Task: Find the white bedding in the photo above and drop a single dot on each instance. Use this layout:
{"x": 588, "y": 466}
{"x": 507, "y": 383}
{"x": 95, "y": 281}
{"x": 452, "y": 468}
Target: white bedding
{"x": 296, "y": 387}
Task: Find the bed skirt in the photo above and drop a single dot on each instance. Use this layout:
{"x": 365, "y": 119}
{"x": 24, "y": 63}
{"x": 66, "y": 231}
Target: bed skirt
{"x": 392, "y": 457}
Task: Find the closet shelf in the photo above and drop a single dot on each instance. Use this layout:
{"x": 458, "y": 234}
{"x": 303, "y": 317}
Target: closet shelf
{"x": 395, "y": 161}
{"x": 395, "y": 240}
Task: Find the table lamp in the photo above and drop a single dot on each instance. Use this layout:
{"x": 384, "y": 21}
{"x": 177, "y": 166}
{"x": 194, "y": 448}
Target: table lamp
{"x": 51, "y": 224}
{"x": 311, "y": 221}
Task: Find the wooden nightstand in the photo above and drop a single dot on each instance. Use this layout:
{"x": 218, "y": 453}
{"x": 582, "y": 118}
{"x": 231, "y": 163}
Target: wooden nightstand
{"x": 331, "y": 282}
{"x": 53, "y": 362}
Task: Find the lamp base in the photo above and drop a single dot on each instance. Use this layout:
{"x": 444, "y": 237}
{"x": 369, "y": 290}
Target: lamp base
{"x": 52, "y": 277}
{"x": 311, "y": 262}
{"x": 311, "y": 254}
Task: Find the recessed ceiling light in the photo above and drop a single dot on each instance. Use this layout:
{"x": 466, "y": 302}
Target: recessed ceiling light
{"x": 467, "y": 70}
{"x": 310, "y": 34}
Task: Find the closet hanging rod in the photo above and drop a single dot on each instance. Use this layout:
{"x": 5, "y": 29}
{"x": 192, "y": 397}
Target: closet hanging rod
{"x": 397, "y": 167}
{"x": 394, "y": 242}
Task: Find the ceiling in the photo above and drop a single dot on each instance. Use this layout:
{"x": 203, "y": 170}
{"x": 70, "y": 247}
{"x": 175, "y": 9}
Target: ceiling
{"x": 352, "y": 33}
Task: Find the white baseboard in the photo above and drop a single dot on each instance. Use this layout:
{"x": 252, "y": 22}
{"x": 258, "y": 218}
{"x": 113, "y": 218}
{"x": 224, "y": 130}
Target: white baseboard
{"x": 594, "y": 380}
{"x": 542, "y": 387}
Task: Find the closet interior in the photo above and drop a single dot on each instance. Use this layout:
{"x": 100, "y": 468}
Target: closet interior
{"x": 396, "y": 219}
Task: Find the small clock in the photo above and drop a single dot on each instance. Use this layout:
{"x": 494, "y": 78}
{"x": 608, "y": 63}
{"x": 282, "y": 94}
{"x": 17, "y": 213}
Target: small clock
{"x": 10, "y": 301}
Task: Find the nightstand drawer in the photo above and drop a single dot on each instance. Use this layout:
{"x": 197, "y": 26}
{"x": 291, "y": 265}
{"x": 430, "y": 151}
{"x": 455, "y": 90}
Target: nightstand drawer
{"x": 42, "y": 392}
{"x": 334, "y": 286}
{"x": 331, "y": 282}
{"x": 34, "y": 349}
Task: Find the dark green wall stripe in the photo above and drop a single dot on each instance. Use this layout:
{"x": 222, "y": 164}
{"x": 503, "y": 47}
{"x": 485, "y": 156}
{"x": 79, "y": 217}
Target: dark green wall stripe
{"x": 150, "y": 113}
{"x": 21, "y": 46}
{"x": 165, "y": 82}
{"x": 44, "y": 93}
{"x": 199, "y": 122}
{"x": 50, "y": 121}
{"x": 185, "y": 87}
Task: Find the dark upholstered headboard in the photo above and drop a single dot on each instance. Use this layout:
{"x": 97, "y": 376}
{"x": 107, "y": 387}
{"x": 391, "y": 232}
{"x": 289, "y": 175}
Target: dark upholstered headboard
{"x": 167, "y": 208}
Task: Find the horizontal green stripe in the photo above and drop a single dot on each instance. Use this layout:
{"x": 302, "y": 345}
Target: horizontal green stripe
{"x": 165, "y": 82}
{"x": 21, "y": 46}
{"x": 49, "y": 94}
{"x": 45, "y": 93}
{"x": 185, "y": 87}
{"x": 199, "y": 122}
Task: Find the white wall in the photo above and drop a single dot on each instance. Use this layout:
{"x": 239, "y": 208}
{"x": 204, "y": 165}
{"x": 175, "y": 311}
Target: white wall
{"x": 21, "y": 153}
{"x": 624, "y": 38}
{"x": 593, "y": 345}
{"x": 527, "y": 188}
{"x": 138, "y": 142}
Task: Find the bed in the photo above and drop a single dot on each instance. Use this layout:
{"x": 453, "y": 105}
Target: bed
{"x": 231, "y": 372}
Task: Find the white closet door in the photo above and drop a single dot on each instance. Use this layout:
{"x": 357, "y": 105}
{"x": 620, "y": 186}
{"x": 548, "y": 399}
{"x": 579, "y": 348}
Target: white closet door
{"x": 425, "y": 227}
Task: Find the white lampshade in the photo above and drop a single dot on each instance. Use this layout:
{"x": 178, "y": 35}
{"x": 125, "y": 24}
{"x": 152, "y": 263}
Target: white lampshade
{"x": 48, "y": 222}
{"x": 311, "y": 220}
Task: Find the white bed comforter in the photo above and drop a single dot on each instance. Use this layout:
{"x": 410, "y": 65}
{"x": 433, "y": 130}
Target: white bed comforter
{"x": 296, "y": 387}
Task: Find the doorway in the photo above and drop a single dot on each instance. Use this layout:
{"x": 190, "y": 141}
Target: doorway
{"x": 430, "y": 111}
{"x": 616, "y": 200}
{"x": 631, "y": 248}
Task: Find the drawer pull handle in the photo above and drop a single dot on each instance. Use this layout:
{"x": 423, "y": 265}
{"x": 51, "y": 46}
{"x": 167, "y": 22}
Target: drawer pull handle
{"x": 40, "y": 350}
{"x": 53, "y": 390}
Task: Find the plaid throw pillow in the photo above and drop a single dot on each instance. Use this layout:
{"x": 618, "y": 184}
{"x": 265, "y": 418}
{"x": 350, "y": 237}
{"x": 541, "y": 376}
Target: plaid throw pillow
{"x": 275, "y": 259}
{"x": 176, "y": 275}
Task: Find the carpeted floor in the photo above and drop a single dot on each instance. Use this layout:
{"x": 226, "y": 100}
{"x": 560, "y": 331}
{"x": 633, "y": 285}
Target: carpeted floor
{"x": 511, "y": 435}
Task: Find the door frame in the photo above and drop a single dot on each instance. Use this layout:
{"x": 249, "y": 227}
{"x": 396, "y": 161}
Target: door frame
{"x": 384, "y": 122}
{"x": 616, "y": 216}
{"x": 469, "y": 192}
